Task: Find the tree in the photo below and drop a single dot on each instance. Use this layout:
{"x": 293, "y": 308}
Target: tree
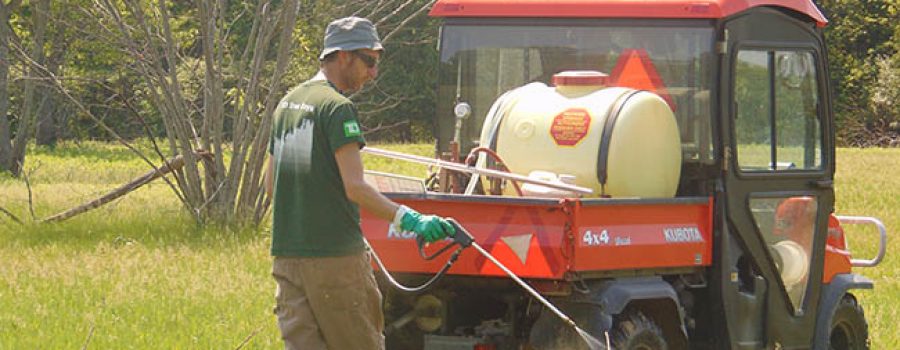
{"x": 884, "y": 129}
{"x": 217, "y": 91}
{"x": 12, "y": 146}
{"x": 23, "y": 133}
{"x": 6, "y": 146}
{"x": 206, "y": 77}
{"x": 48, "y": 104}
{"x": 170, "y": 63}
{"x": 859, "y": 32}
{"x": 34, "y": 17}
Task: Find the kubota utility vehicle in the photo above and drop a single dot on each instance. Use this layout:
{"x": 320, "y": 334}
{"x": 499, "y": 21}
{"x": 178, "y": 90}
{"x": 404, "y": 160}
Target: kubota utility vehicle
{"x": 682, "y": 156}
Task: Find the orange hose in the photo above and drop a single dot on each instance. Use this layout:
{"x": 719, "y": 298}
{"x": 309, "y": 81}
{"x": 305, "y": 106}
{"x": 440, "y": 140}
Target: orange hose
{"x": 470, "y": 161}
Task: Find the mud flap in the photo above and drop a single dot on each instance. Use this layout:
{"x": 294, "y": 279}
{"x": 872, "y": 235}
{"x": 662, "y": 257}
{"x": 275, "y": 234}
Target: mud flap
{"x": 831, "y": 296}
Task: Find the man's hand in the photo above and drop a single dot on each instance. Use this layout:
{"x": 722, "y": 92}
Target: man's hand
{"x": 430, "y": 227}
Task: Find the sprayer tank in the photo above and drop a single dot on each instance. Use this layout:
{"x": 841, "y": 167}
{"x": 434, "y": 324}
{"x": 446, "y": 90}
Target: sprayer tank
{"x": 618, "y": 141}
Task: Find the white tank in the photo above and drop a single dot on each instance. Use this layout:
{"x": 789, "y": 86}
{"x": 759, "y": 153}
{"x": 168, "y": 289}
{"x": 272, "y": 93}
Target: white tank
{"x": 617, "y": 141}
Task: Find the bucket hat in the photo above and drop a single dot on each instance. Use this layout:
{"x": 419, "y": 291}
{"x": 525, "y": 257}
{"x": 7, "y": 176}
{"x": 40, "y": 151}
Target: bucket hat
{"x": 350, "y": 33}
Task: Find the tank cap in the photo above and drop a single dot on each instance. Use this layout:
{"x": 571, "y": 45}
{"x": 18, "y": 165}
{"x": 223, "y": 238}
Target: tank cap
{"x": 580, "y": 78}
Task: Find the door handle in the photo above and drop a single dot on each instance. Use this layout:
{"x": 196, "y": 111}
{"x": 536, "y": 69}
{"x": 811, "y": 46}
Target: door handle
{"x": 823, "y": 184}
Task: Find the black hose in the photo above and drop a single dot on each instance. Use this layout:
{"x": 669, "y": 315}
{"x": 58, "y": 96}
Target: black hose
{"x": 416, "y": 289}
{"x": 461, "y": 237}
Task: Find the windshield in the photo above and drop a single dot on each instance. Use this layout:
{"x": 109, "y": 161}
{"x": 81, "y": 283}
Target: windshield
{"x": 479, "y": 62}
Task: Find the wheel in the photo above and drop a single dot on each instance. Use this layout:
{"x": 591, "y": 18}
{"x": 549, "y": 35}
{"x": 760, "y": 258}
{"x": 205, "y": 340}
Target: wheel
{"x": 848, "y": 329}
{"x": 634, "y": 331}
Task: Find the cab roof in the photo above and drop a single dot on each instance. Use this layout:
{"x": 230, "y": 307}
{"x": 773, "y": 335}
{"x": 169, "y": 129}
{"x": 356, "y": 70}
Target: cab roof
{"x": 616, "y": 8}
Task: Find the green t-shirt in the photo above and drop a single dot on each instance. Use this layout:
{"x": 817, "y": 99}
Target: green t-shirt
{"x": 312, "y": 215}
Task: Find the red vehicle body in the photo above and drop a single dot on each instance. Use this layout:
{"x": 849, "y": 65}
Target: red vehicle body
{"x": 615, "y": 9}
{"x": 561, "y": 236}
{"x": 715, "y": 267}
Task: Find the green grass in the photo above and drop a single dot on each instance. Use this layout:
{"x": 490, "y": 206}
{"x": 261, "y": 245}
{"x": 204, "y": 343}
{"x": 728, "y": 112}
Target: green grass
{"x": 867, "y": 184}
{"x": 138, "y": 273}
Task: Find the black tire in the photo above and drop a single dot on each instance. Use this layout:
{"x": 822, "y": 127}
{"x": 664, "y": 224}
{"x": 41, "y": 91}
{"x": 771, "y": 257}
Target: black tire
{"x": 848, "y": 329}
{"x": 634, "y": 331}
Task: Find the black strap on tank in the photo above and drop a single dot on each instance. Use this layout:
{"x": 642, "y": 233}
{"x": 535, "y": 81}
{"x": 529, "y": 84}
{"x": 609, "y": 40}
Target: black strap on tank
{"x": 603, "y": 155}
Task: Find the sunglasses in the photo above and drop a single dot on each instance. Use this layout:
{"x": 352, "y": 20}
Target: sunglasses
{"x": 369, "y": 61}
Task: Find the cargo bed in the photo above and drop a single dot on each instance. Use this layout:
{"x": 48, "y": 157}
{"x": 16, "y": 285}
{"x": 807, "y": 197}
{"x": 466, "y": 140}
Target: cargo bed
{"x": 548, "y": 238}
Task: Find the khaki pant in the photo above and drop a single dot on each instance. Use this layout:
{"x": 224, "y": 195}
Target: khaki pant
{"x": 330, "y": 303}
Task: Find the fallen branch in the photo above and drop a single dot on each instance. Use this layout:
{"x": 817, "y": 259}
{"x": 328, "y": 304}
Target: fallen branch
{"x": 249, "y": 336}
{"x": 171, "y": 165}
{"x": 11, "y": 215}
{"x": 89, "y": 336}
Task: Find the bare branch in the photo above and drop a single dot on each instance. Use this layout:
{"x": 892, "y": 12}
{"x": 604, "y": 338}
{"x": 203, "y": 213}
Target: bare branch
{"x": 233, "y": 21}
{"x": 381, "y": 127}
{"x": 159, "y": 153}
{"x": 395, "y": 12}
{"x": 376, "y": 7}
{"x": 7, "y": 9}
{"x": 62, "y": 89}
{"x": 28, "y": 115}
{"x": 170, "y": 166}
{"x": 381, "y": 108}
{"x": 26, "y": 177}
{"x": 212, "y": 197}
{"x": 407, "y": 20}
{"x": 377, "y": 86}
{"x": 89, "y": 336}
{"x": 11, "y": 215}
{"x": 250, "y": 184}
{"x": 249, "y": 336}
{"x": 97, "y": 121}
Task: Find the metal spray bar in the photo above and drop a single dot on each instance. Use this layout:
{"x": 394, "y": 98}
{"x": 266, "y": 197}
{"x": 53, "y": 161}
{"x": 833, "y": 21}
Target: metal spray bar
{"x": 474, "y": 170}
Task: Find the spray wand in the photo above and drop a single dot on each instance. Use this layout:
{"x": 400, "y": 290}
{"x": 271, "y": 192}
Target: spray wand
{"x": 464, "y": 239}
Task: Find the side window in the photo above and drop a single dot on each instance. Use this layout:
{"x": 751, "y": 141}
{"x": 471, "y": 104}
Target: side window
{"x": 753, "y": 122}
{"x": 777, "y": 125}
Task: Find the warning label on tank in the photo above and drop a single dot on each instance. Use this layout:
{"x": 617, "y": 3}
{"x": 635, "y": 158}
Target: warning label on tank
{"x": 570, "y": 126}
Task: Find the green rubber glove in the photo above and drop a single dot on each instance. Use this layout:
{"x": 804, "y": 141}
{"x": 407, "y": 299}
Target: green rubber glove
{"x": 430, "y": 227}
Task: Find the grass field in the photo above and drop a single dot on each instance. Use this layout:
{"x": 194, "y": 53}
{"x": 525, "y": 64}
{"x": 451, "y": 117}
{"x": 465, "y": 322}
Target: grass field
{"x": 138, "y": 273}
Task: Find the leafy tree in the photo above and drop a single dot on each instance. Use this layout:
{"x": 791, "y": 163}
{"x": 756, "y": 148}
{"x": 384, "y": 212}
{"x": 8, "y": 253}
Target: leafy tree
{"x": 859, "y": 33}
{"x": 884, "y": 129}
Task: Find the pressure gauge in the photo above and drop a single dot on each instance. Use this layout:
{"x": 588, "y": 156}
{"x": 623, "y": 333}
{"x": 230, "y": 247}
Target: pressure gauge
{"x": 462, "y": 110}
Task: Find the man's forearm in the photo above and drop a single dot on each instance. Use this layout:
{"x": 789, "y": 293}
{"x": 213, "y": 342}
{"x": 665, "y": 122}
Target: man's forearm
{"x": 368, "y": 198}
{"x": 270, "y": 176}
{"x": 358, "y": 191}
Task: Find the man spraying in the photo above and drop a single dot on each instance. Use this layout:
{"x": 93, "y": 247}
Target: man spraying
{"x": 327, "y": 297}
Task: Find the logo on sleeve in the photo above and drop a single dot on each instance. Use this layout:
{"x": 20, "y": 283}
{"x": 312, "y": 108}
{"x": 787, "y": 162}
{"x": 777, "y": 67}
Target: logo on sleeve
{"x": 351, "y": 128}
